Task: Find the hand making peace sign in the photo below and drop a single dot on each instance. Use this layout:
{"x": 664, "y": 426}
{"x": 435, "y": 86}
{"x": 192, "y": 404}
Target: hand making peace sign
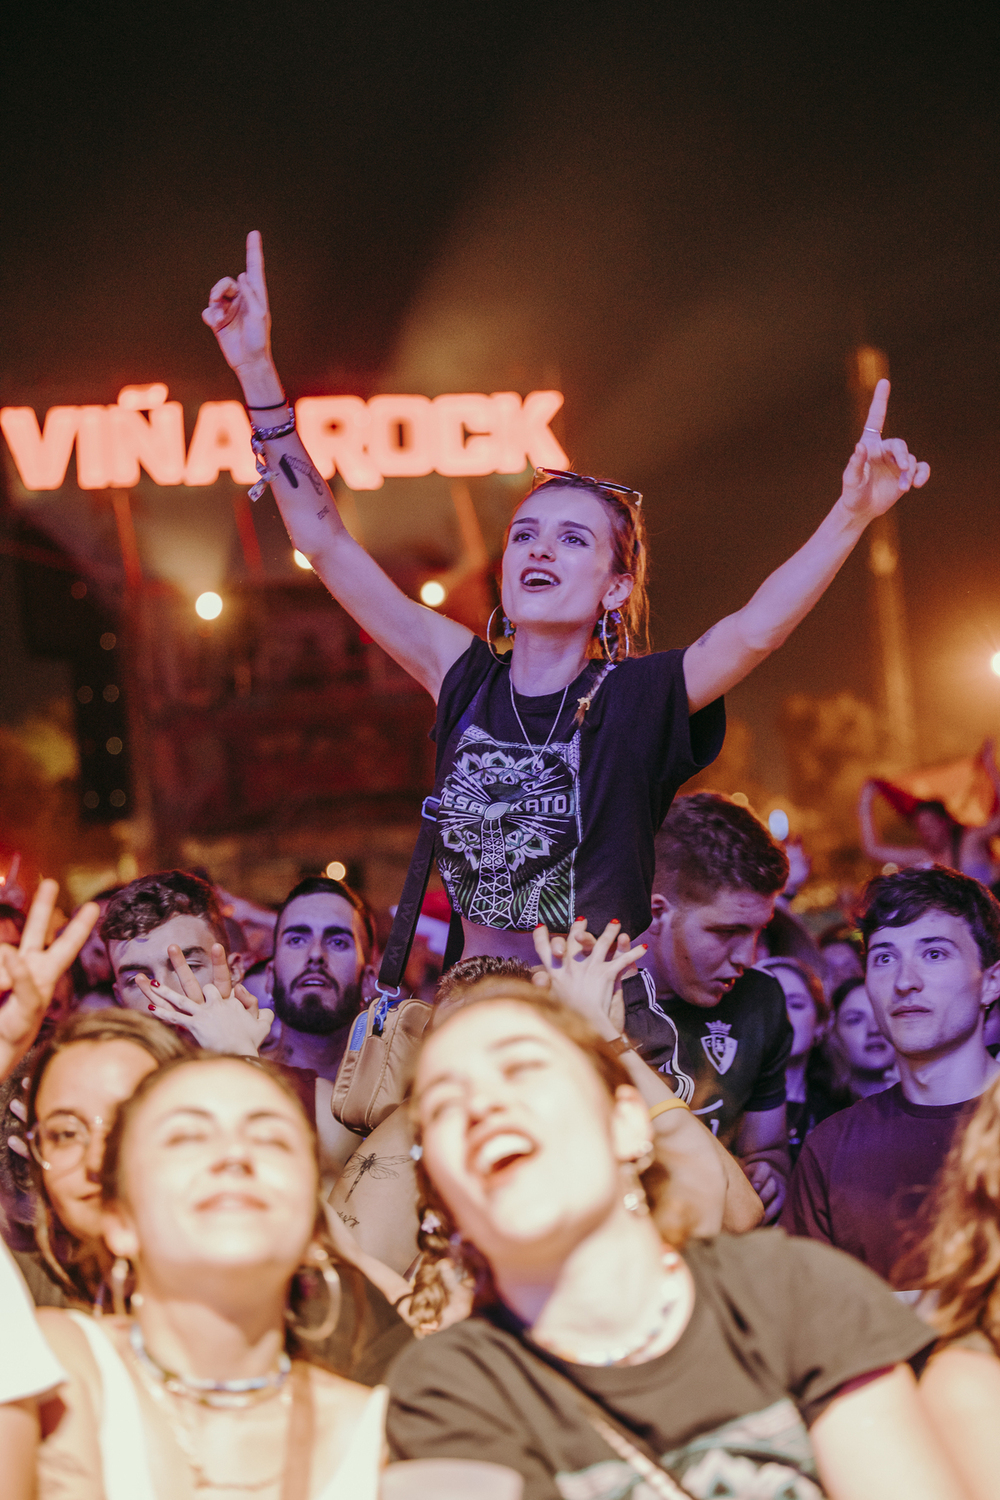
{"x": 30, "y": 972}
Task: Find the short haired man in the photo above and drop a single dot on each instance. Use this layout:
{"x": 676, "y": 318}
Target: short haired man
{"x": 932, "y": 940}
{"x": 150, "y": 915}
{"x": 321, "y": 973}
{"x": 166, "y": 940}
{"x": 704, "y": 1017}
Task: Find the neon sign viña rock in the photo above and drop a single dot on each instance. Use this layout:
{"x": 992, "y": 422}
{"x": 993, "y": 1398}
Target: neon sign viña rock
{"x": 364, "y": 441}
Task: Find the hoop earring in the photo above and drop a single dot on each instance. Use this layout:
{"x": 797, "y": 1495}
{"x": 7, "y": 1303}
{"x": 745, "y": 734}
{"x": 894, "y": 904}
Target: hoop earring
{"x": 508, "y": 630}
{"x": 620, "y": 630}
{"x": 331, "y": 1281}
{"x": 120, "y": 1272}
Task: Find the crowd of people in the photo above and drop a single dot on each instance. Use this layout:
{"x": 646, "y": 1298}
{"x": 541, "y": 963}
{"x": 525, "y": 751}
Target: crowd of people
{"x": 656, "y": 1194}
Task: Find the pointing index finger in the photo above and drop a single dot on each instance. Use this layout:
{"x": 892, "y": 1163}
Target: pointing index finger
{"x": 255, "y": 261}
{"x": 875, "y": 419}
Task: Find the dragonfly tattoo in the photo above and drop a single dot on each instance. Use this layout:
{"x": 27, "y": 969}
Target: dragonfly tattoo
{"x": 374, "y": 1166}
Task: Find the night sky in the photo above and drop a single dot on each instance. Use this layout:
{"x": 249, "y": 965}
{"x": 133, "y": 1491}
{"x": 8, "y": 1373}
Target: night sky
{"x": 682, "y": 215}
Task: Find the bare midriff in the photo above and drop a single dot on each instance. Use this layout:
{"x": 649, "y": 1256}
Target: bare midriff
{"x": 498, "y": 942}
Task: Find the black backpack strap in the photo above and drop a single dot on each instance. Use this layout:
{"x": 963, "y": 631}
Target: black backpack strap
{"x": 404, "y": 923}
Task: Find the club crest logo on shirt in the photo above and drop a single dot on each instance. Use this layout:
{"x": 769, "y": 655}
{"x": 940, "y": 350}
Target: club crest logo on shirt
{"x": 720, "y": 1047}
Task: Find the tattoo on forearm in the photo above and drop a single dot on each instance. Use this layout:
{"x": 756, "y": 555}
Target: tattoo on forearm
{"x": 348, "y": 1219}
{"x": 321, "y": 513}
{"x": 289, "y": 464}
{"x": 704, "y": 640}
{"x": 372, "y": 1166}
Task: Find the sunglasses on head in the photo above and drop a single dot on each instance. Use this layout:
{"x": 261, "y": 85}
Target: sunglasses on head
{"x": 619, "y": 491}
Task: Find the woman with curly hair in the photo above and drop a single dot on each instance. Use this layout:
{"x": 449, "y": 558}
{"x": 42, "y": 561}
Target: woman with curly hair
{"x": 94, "y": 1062}
{"x": 961, "y": 1385}
{"x": 599, "y": 1354}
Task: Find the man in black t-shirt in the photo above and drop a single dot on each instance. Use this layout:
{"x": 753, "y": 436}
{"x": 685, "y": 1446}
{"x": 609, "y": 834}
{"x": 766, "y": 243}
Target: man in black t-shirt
{"x": 864, "y": 1178}
{"x": 698, "y": 1012}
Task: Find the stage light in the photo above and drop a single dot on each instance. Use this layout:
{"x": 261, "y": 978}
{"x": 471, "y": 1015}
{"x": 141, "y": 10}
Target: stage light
{"x": 301, "y": 561}
{"x": 777, "y": 821}
{"x": 336, "y": 870}
{"x": 741, "y": 799}
{"x": 995, "y": 662}
{"x": 208, "y": 606}
{"x": 432, "y": 593}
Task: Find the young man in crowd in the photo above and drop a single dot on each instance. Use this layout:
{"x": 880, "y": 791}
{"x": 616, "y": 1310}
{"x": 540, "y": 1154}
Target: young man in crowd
{"x": 699, "y": 1013}
{"x": 167, "y": 944}
{"x": 321, "y": 974}
{"x": 932, "y": 971}
{"x": 166, "y": 940}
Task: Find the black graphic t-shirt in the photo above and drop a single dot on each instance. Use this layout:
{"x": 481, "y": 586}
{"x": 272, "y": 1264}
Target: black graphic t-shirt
{"x": 778, "y": 1327}
{"x": 528, "y": 834}
{"x": 720, "y": 1060}
{"x": 864, "y": 1180}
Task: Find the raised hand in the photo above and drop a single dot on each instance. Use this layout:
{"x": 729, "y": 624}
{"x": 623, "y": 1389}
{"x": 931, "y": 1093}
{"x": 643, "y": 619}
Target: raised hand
{"x": 238, "y": 312}
{"x": 30, "y": 972}
{"x": 582, "y": 975}
{"x": 222, "y": 1016}
{"x": 880, "y": 469}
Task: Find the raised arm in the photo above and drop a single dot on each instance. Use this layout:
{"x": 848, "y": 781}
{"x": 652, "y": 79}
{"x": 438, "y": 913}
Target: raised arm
{"x": 883, "y": 853}
{"x": 976, "y": 841}
{"x": 423, "y": 642}
{"x": 879, "y": 471}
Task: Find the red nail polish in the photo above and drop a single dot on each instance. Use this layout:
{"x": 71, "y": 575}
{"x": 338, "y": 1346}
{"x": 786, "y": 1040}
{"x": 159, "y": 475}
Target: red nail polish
{"x": 155, "y": 983}
{"x": 616, "y": 921}
{"x": 539, "y": 925}
{"x": 150, "y": 1007}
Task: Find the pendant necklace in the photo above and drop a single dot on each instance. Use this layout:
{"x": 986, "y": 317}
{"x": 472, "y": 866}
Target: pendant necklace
{"x": 539, "y": 751}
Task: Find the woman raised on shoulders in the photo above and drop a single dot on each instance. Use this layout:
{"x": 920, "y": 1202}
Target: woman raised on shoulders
{"x": 555, "y": 772}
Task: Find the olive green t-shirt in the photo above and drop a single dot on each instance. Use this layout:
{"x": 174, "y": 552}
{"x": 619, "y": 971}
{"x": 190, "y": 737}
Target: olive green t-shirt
{"x": 778, "y": 1327}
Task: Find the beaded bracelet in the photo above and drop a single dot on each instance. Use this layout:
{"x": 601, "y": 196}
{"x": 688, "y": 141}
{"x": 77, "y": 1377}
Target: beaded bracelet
{"x": 258, "y": 437}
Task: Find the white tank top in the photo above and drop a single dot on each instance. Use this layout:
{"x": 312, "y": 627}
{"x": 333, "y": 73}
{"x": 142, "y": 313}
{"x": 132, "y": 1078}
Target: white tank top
{"x": 125, "y": 1456}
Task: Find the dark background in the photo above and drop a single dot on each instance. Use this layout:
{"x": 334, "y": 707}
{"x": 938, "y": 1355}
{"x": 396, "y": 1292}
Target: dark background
{"x": 683, "y": 215}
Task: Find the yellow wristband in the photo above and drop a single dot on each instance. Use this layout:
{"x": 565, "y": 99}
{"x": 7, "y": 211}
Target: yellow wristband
{"x": 664, "y": 1105}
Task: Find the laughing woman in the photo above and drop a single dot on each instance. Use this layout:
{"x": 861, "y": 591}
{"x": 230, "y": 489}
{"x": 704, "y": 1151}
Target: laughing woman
{"x": 210, "y": 1195}
{"x": 556, "y": 766}
{"x": 601, "y": 1362}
